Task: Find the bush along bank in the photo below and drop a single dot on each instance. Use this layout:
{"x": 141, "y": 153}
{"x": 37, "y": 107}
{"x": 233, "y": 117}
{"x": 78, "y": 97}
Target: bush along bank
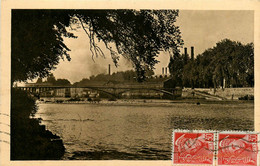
{"x": 29, "y": 139}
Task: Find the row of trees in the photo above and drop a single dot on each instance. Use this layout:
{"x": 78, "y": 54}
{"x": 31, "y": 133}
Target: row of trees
{"x": 53, "y": 81}
{"x": 128, "y": 76}
{"x": 123, "y": 76}
{"x": 228, "y": 64}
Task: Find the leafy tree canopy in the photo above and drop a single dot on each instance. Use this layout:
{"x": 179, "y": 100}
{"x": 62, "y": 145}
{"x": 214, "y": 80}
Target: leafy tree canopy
{"x": 229, "y": 62}
{"x": 51, "y": 79}
{"x": 37, "y": 37}
{"x": 59, "y": 82}
{"x": 62, "y": 82}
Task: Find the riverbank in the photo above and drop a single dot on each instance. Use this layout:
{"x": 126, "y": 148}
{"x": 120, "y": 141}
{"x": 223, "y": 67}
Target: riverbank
{"x": 143, "y": 102}
{"x": 29, "y": 139}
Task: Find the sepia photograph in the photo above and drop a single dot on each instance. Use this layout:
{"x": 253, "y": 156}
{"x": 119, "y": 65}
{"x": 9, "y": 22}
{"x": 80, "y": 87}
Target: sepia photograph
{"x": 113, "y": 84}
{"x": 129, "y": 83}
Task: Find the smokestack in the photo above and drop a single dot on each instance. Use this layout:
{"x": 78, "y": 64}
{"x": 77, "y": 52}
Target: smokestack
{"x": 109, "y": 70}
{"x": 192, "y": 53}
{"x": 163, "y": 71}
{"x": 185, "y": 51}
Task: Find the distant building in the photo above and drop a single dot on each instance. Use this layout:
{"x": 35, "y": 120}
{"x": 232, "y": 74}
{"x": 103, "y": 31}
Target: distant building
{"x": 60, "y": 92}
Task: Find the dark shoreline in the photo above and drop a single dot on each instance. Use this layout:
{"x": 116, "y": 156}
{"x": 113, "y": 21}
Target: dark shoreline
{"x": 29, "y": 139}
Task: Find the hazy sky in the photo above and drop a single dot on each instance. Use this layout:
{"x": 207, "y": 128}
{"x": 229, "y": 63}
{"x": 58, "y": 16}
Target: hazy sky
{"x": 201, "y": 29}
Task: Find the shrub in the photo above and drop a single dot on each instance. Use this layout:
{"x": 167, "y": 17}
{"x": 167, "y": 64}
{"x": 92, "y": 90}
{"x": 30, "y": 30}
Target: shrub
{"x": 112, "y": 99}
{"x": 246, "y": 97}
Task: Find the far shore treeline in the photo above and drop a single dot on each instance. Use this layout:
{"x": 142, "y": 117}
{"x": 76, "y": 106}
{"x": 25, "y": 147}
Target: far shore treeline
{"x": 121, "y": 77}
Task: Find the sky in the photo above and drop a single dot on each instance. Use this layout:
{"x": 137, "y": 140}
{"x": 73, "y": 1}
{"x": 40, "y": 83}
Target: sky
{"x": 199, "y": 28}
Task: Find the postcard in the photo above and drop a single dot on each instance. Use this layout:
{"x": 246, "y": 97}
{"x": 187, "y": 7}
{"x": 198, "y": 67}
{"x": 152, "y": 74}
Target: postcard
{"x": 129, "y": 83}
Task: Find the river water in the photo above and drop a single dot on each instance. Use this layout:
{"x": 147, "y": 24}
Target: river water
{"x": 103, "y": 131}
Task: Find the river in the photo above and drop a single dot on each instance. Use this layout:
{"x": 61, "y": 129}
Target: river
{"x": 103, "y": 131}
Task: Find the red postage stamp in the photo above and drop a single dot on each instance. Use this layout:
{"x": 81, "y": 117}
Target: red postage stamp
{"x": 218, "y": 148}
{"x": 237, "y": 149}
{"x": 193, "y": 148}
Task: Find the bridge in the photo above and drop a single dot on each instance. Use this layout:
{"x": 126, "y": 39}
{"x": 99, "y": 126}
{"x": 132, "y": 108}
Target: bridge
{"x": 113, "y": 91}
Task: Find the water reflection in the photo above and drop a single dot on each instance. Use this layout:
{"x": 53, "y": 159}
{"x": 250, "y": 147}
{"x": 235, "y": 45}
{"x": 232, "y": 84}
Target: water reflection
{"x": 92, "y": 131}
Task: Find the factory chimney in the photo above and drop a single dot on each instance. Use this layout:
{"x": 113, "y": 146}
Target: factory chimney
{"x": 192, "y": 53}
{"x": 163, "y": 71}
{"x": 185, "y": 56}
{"x": 109, "y": 70}
{"x": 185, "y": 51}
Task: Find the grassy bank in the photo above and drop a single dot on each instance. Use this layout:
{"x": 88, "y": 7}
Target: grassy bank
{"x": 29, "y": 140}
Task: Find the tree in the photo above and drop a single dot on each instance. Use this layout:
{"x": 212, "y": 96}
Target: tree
{"x": 51, "y": 79}
{"x": 62, "y": 82}
{"x": 229, "y": 63}
{"x": 137, "y": 35}
{"x": 129, "y": 75}
{"x": 37, "y": 37}
{"x": 205, "y": 71}
{"x": 149, "y": 73}
{"x": 39, "y": 80}
{"x": 176, "y": 66}
{"x": 37, "y": 42}
{"x": 83, "y": 82}
{"x": 233, "y": 62}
